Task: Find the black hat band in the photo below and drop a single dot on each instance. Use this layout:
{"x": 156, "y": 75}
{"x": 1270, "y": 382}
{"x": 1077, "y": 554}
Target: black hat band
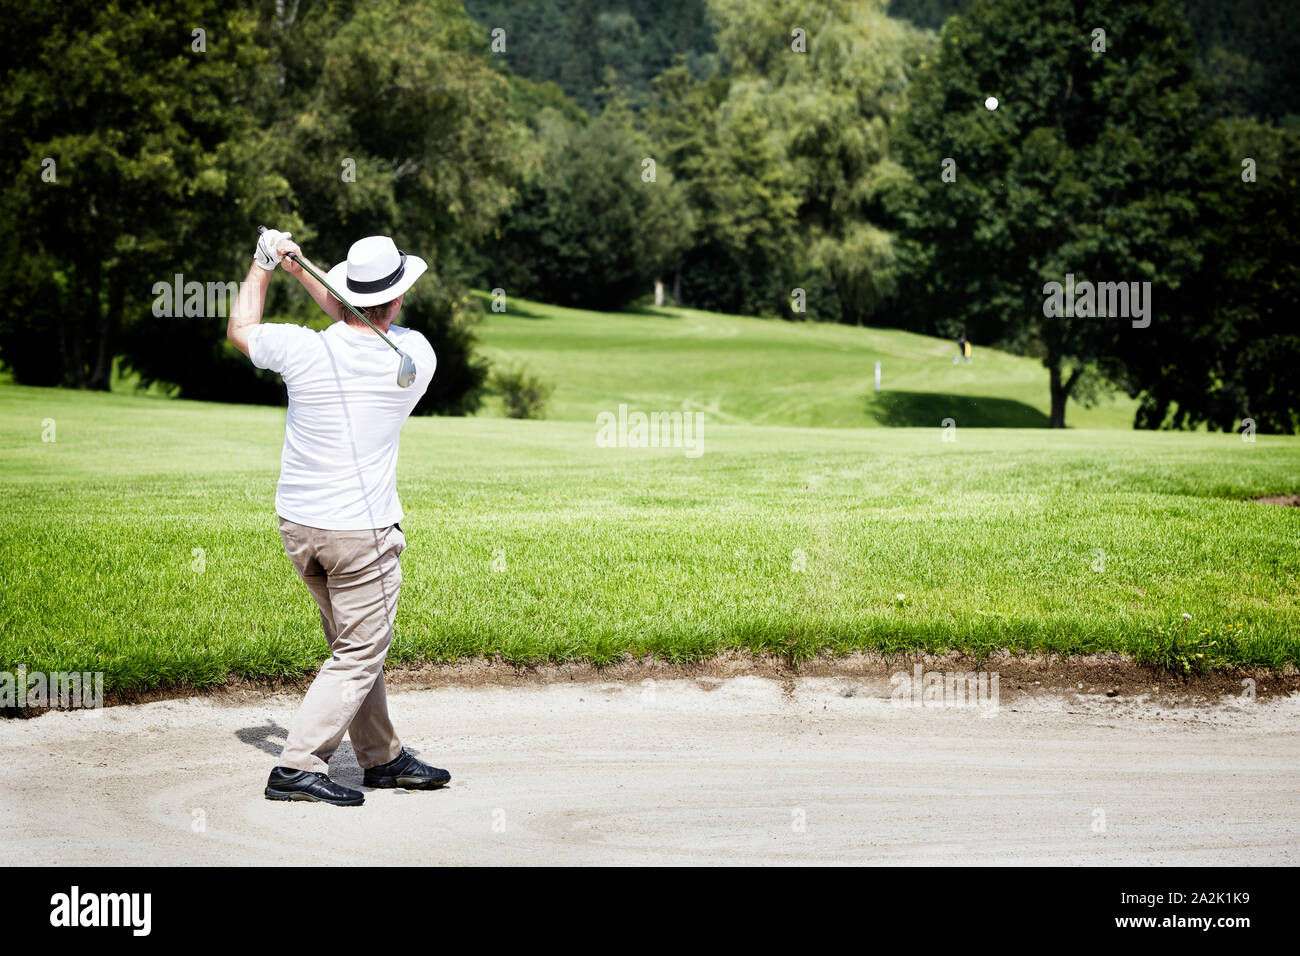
{"x": 379, "y": 285}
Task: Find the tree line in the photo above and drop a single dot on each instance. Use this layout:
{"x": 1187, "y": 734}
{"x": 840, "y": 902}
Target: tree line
{"x": 806, "y": 161}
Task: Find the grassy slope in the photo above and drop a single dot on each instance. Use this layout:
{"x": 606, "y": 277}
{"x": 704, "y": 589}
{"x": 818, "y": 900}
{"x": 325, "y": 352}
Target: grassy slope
{"x": 989, "y": 539}
{"x": 768, "y": 372}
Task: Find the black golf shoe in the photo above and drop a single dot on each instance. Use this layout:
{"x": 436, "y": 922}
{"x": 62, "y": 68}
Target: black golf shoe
{"x": 407, "y": 772}
{"x": 289, "y": 784}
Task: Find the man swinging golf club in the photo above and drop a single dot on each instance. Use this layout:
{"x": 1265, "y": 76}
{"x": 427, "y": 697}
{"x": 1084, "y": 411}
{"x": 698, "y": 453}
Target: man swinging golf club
{"x": 337, "y": 496}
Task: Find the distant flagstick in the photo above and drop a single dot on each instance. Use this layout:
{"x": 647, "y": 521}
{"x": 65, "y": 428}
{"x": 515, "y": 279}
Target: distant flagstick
{"x": 406, "y": 372}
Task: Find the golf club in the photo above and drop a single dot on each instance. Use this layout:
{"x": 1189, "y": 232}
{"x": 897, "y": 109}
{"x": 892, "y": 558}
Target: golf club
{"x": 406, "y": 371}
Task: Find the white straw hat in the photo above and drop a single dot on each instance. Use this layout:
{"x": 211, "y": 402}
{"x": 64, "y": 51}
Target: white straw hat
{"x": 375, "y": 272}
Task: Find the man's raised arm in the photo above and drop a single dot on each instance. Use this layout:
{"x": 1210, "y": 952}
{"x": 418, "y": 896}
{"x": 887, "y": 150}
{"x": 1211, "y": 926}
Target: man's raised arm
{"x": 247, "y": 313}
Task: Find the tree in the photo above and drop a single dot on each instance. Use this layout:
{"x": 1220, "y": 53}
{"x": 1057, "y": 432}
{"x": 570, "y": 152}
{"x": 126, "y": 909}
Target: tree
{"x": 134, "y": 155}
{"x": 1088, "y": 167}
{"x": 1251, "y": 49}
{"x": 1236, "y": 353}
{"x": 728, "y": 156}
{"x": 574, "y": 43}
{"x": 784, "y": 155}
{"x": 926, "y": 13}
{"x": 592, "y": 228}
{"x": 406, "y": 90}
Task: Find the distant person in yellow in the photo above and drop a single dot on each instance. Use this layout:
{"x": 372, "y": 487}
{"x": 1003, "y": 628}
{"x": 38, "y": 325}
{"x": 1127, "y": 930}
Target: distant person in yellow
{"x": 963, "y": 350}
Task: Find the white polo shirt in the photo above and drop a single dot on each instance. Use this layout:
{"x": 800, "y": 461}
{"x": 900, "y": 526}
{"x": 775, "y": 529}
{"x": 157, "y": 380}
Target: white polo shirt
{"x": 338, "y": 470}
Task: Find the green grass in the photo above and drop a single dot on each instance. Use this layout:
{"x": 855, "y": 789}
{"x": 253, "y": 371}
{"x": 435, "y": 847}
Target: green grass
{"x": 989, "y": 540}
{"x": 741, "y": 370}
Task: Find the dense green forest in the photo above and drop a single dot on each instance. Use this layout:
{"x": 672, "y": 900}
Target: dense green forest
{"x": 842, "y": 160}
{"x": 1249, "y": 48}
{"x": 587, "y": 47}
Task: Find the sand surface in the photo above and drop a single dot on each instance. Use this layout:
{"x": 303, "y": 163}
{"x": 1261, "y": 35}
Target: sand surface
{"x": 740, "y": 770}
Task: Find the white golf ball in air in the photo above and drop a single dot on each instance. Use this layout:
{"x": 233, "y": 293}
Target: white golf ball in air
{"x": 991, "y": 103}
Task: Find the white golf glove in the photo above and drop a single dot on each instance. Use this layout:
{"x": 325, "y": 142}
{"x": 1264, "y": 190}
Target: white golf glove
{"x": 265, "y": 254}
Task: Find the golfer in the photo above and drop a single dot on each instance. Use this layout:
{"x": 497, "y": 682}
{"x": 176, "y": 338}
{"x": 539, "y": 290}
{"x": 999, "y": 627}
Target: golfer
{"x": 337, "y": 500}
{"x": 963, "y": 350}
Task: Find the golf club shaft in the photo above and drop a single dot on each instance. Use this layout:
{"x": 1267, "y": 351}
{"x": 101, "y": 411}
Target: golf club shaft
{"x": 319, "y": 278}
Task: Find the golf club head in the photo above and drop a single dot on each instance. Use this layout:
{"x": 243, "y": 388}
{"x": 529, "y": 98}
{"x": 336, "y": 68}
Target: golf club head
{"x": 406, "y": 373}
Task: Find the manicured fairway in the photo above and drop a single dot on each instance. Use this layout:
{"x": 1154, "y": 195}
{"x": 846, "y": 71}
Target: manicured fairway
{"x": 779, "y": 539}
{"x": 742, "y": 370}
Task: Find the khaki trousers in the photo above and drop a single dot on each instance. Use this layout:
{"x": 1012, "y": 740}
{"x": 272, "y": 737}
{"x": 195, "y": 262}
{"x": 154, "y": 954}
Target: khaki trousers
{"x": 354, "y": 577}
